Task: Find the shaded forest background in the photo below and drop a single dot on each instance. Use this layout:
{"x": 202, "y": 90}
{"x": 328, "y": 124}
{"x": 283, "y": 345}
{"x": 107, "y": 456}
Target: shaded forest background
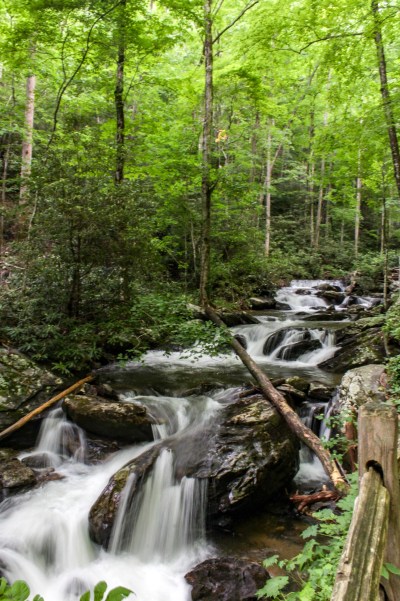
{"x": 106, "y": 168}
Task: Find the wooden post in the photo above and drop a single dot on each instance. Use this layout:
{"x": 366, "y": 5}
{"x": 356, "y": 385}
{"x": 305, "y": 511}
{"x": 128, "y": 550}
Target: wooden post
{"x": 360, "y": 567}
{"x": 378, "y": 435}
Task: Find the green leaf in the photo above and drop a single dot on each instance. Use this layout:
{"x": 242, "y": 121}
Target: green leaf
{"x": 307, "y": 594}
{"x": 38, "y": 598}
{"x": 3, "y": 585}
{"x": 273, "y": 587}
{"x": 270, "y": 561}
{"x": 85, "y": 596}
{"x": 19, "y": 591}
{"x": 384, "y": 572}
{"x": 99, "y": 590}
{"x": 392, "y": 569}
{"x": 118, "y": 593}
{"x": 310, "y": 531}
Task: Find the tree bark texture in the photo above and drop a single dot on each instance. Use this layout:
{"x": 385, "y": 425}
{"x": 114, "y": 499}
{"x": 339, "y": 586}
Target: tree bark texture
{"x": 206, "y": 184}
{"x": 377, "y": 445}
{"x": 27, "y": 144}
{"x": 119, "y": 100}
{"x": 385, "y": 93}
{"x": 277, "y": 399}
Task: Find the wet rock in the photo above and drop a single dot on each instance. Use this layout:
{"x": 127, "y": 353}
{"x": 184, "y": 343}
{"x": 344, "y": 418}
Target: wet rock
{"x": 274, "y": 340}
{"x": 13, "y": 474}
{"x": 237, "y": 318}
{"x": 259, "y": 303}
{"x": 117, "y": 420}
{"x": 292, "y": 352}
{"x": 325, "y": 287}
{"x": 242, "y": 340}
{"x": 102, "y": 514}
{"x": 298, "y": 383}
{"x": 333, "y": 316}
{"x": 246, "y": 453}
{"x": 23, "y": 387}
{"x": 361, "y": 343}
{"x": 332, "y": 296}
{"x": 360, "y": 385}
{"x": 37, "y": 461}
{"x": 292, "y": 394}
{"x": 247, "y": 458}
{"x": 226, "y": 579}
{"x": 320, "y": 392}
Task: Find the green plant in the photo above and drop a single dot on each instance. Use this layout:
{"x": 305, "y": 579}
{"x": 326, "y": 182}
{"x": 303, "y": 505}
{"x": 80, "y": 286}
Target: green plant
{"x": 19, "y": 591}
{"x": 312, "y": 572}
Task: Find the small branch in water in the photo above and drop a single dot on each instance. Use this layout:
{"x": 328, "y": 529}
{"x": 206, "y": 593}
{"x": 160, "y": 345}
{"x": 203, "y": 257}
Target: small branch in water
{"x": 304, "y": 501}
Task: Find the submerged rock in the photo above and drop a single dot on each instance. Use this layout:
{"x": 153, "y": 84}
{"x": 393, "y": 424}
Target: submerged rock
{"x": 292, "y": 352}
{"x": 226, "y": 579}
{"x": 246, "y": 453}
{"x": 113, "y": 419}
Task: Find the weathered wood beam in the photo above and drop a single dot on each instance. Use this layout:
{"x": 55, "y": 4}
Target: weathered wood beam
{"x": 360, "y": 567}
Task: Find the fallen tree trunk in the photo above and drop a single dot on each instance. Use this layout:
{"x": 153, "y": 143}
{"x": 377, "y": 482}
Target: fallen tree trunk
{"x": 278, "y": 400}
{"x": 21, "y": 422}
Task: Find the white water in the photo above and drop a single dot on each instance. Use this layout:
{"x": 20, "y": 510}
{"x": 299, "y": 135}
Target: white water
{"x": 44, "y": 533}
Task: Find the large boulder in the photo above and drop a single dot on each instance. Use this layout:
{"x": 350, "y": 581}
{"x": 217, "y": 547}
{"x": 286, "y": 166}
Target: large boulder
{"x": 246, "y": 453}
{"x": 113, "y": 419}
{"x": 261, "y": 303}
{"x": 361, "y": 343}
{"x": 292, "y": 352}
{"x": 360, "y": 385}
{"x": 226, "y": 579}
{"x": 23, "y": 387}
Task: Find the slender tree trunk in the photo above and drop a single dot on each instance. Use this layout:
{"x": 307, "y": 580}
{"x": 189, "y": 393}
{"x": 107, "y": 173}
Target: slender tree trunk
{"x": 320, "y": 206}
{"x": 358, "y": 207}
{"x": 119, "y": 100}
{"x": 385, "y": 93}
{"x": 27, "y": 145}
{"x": 268, "y": 183}
{"x": 5, "y": 156}
{"x": 206, "y": 184}
{"x": 254, "y": 148}
{"x": 311, "y": 173}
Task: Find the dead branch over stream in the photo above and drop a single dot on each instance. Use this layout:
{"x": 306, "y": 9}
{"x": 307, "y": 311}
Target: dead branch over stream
{"x": 289, "y": 415}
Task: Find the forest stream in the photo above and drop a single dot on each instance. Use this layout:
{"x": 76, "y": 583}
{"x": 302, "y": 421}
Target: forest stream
{"x": 156, "y": 540}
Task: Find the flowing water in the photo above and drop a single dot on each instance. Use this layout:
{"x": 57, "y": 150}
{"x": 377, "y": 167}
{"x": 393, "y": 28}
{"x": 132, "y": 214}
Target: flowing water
{"x": 44, "y": 532}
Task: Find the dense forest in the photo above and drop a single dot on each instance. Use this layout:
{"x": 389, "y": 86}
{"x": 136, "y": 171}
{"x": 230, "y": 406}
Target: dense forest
{"x": 157, "y": 151}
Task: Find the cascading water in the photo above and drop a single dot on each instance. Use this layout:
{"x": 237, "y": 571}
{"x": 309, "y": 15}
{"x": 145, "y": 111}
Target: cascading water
{"x": 44, "y": 532}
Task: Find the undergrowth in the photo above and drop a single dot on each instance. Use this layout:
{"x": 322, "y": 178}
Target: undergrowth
{"x": 312, "y": 572}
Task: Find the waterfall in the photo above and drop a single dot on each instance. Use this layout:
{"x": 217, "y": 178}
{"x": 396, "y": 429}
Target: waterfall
{"x": 167, "y": 519}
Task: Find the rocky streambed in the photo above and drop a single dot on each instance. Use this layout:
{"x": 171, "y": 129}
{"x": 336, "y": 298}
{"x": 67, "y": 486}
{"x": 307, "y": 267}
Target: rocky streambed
{"x": 160, "y": 463}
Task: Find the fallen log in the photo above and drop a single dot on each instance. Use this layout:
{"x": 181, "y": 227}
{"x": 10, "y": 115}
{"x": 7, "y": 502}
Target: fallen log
{"x": 21, "y": 422}
{"x": 303, "y": 501}
{"x": 290, "y": 416}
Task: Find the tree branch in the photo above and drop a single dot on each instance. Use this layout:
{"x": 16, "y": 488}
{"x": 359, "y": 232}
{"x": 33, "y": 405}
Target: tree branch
{"x": 240, "y": 15}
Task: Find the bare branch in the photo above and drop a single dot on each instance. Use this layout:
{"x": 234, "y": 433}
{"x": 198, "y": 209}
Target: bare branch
{"x": 240, "y": 15}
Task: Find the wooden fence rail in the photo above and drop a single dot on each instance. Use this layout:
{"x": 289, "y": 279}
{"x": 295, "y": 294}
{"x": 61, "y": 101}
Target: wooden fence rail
{"x": 374, "y": 535}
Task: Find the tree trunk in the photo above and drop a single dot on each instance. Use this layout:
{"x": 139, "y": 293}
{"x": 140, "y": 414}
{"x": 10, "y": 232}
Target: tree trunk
{"x": 27, "y": 145}
{"x": 206, "y": 184}
{"x": 279, "y": 402}
{"x": 268, "y": 183}
{"x": 320, "y": 205}
{"x": 5, "y": 156}
{"x": 119, "y": 100}
{"x": 358, "y": 208}
{"x": 385, "y": 93}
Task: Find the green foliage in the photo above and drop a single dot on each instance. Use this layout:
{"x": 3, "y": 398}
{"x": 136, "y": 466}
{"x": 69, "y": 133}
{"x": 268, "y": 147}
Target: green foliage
{"x": 312, "y": 572}
{"x": 19, "y": 591}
